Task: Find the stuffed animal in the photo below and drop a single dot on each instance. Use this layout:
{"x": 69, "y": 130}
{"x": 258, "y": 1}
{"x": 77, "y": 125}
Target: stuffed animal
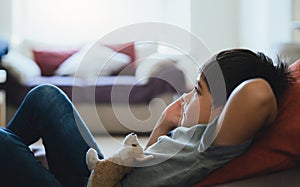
{"x": 110, "y": 171}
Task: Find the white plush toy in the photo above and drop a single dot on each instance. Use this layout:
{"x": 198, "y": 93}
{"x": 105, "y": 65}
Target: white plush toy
{"x": 110, "y": 171}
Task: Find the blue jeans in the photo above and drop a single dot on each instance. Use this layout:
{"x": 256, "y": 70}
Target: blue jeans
{"x": 45, "y": 113}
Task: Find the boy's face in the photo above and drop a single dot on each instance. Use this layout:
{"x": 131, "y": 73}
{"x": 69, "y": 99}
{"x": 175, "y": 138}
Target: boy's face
{"x": 197, "y": 104}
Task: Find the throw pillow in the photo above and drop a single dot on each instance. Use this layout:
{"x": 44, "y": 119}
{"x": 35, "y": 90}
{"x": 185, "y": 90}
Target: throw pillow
{"x": 22, "y": 67}
{"x": 147, "y": 67}
{"x": 276, "y": 148}
{"x": 49, "y": 60}
{"x": 92, "y": 61}
{"x": 144, "y": 49}
{"x": 128, "y": 49}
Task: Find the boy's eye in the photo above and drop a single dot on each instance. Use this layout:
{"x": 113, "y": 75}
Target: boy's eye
{"x": 197, "y": 90}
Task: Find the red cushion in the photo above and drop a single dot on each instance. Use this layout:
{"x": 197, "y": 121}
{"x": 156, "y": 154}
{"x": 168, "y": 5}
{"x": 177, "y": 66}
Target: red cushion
{"x": 49, "y": 60}
{"x": 276, "y": 148}
{"x": 126, "y": 48}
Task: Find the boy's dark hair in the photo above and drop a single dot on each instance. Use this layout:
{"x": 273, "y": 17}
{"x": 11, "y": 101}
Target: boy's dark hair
{"x": 238, "y": 65}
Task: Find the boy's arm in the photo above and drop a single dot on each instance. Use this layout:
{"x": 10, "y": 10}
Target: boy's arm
{"x": 251, "y": 106}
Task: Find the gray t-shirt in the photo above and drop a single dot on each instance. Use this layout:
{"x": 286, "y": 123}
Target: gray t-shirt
{"x": 180, "y": 161}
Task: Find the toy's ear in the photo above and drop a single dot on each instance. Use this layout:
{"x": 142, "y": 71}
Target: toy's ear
{"x": 91, "y": 158}
{"x": 130, "y": 139}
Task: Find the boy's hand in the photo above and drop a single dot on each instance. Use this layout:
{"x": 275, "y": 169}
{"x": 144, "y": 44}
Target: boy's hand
{"x": 172, "y": 115}
{"x": 169, "y": 120}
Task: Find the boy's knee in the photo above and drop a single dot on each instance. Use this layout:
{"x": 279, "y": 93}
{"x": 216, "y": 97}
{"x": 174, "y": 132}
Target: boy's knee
{"x": 42, "y": 95}
{"x": 44, "y": 90}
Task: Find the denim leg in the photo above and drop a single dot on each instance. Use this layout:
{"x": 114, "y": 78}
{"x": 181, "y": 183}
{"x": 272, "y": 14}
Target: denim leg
{"x": 47, "y": 113}
{"x": 18, "y": 165}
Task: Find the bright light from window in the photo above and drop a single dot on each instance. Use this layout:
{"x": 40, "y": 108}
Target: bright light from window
{"x": 70, "y": 21}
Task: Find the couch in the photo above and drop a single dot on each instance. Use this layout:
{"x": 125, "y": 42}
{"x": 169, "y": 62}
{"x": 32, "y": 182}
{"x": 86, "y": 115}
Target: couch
{"x": 117, "y": 88}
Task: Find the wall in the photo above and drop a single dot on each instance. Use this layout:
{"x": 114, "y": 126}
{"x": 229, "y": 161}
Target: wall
{"x": 296, "y": 17}
{"x": 256, "y": 24}
{"x": 265, "y": 24}
{"x": 296, "y": 12}
{"x": 5, "y": 19}
{"x": 216, "y": 23}
{"x": 71, "y": 21}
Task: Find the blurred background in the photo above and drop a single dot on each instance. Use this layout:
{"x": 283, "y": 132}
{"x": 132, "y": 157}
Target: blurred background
{"x": 269, "y": 26}
{"x": 262, "y": 25}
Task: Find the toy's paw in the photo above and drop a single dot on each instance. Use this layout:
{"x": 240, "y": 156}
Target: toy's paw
{"x": 145, "y": 158}
{"x": 91, "y": 158}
